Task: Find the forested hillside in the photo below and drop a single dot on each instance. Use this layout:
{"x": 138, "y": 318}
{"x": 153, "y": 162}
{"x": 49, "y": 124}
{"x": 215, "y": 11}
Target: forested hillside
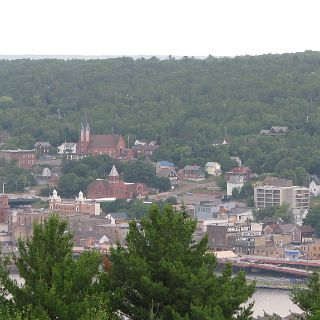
{"x": 185, "y": 104}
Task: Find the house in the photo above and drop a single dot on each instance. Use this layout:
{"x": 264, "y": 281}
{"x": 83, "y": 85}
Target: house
{"x": 288, "y": 229}
{"x": 118, "y": 217}
{"x": 24, "y": 158}
{"x": 194, "y": 172}
{"x": 274, "y": 131}
{"x": 311, "y": 250}
{"x": 235, "y": 182}
{"x": 42, "y": 148}
{"x": 114, "y": 188}
{"x": 67, "y": 148}
{"x": 213, "y": 168}
{"x": 243, "y": 171}
{"x": 314, "y": 187}
{"x": 171, "y": 175}
{"x": 44, "y": 178}
{"x": 307, "y": 233}
{"x": 164, "y": 165}
{"x": 112, "y": 145}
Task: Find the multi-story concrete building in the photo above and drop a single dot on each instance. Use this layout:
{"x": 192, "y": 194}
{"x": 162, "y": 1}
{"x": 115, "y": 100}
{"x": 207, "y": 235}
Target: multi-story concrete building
{"x": 276, "y": 192}
{"x": 25, "y": 158}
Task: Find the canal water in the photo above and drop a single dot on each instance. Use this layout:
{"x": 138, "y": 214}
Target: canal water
{"x": 273, "y": 301}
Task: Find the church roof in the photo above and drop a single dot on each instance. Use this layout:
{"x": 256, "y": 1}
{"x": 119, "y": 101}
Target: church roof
{"x": 104, "y": 140}
{"x": 113, "y": 172}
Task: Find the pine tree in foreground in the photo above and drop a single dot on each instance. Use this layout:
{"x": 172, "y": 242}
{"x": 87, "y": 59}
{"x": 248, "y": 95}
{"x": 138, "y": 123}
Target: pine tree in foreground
{"x": 163, "y": 272}
{"x": 56, "y": 285}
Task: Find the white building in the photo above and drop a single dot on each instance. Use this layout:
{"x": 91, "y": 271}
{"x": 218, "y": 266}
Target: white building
{"x": 314, "y": 188}
{"x": 67, "y": 148}
{"x": 213, "y": 168}
{"x": 235, "y": 182}
{"x": 277, "y": 192}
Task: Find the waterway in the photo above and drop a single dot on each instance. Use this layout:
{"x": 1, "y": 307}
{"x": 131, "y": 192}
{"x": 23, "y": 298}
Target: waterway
{"x": 273, "y": 301}
{"x": 268, "y": 300}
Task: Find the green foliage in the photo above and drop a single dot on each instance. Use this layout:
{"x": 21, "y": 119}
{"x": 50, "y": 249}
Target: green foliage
{"x": 313, "y": 219}
{"x": 164, "y": 274}
{"x": 282, "y": 212}
{"x": 309, "y": 299}
{"x": 192, "y": 100}
{"x": 16, "y": 179}
{"x": 55, "y": 285}
{"x": 78, "y": 174}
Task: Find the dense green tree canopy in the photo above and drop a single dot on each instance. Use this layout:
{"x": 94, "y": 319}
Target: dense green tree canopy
{"x": 185, "y": 104}
{"x": 163, "y": 271}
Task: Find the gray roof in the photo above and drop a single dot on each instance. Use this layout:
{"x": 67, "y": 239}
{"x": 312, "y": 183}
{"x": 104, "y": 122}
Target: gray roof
{"x": 119, "y": 215}
{"x": 43, "y": 144}
{"x": 188, "y": 167}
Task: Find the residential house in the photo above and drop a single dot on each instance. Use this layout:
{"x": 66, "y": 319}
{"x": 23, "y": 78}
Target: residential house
{"x": 314, "y": 187}
{"x": 213, "y": 168}
{"x": 164, "y": 165}
{"x": 171, "y": 175}
{"x": 311, "y": 250}
{"x": 275, "y": 131}
{"x": 242, "y": 171}
{"x": 307, "y": 233}
{"x": 117, "y": 217}
{"x": 114, "y": 188}
{"x": 288, "y": 229}
{"x": 42, "y": 148}
{"x": 67, "y": 148}
{"x": 194, "y": 172}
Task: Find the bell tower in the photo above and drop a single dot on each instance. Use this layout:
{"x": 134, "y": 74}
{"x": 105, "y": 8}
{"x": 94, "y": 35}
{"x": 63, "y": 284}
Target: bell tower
{"x": 84, "y": 139}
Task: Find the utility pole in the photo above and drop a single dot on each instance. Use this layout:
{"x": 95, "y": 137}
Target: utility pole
{"x": 3, "y": 184}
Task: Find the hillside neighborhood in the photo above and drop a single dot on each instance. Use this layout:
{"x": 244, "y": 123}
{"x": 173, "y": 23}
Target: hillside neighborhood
{"x": 231, "y": 207}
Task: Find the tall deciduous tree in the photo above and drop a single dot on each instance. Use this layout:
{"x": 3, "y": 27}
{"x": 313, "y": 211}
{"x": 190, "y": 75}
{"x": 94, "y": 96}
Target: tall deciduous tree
{"x": 163, "y": 272}
{"x": 56, "y": 286}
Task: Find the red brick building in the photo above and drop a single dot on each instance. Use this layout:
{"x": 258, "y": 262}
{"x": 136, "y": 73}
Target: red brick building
{"x": 4, "y": 208}
{"x": 112, "y": 145}
{"x": 25, "y": 158}
{"x": 114, "y": 187}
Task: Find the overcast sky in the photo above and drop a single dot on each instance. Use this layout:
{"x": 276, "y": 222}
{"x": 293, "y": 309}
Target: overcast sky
{"x": 152, "y": 27}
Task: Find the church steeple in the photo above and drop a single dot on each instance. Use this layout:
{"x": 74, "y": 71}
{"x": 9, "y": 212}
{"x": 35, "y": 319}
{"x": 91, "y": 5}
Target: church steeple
{"x": 113, "y": 175}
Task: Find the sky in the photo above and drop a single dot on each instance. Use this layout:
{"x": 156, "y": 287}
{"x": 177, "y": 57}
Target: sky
{"x": 152, "y": 27}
